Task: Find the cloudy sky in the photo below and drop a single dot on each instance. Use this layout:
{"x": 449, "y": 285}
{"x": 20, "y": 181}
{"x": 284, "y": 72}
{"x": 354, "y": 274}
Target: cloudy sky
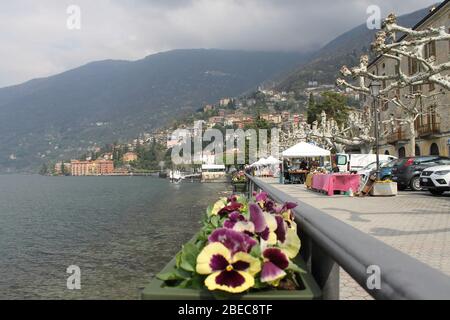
{"x": 35, "y": 40}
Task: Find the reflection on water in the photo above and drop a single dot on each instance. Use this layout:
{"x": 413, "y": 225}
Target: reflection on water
{"x": 118, "y": 230}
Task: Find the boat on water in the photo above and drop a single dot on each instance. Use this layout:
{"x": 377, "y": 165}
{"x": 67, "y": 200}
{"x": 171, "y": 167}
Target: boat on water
{"x": 175, "y": 176}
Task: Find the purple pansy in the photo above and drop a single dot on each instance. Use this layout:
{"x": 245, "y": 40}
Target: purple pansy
{"x": 262, "y": 196}
{"x": 281, "y": 228}
{"x": 231, "y": 207}
{"x": 257, "y": 217}
{"x": 275, "y": 262}
{"x": 233, "y": 240}
{"x": 233, "y": 218}
{"x": 228, "y": 272}
{"x": 265, "y": 223}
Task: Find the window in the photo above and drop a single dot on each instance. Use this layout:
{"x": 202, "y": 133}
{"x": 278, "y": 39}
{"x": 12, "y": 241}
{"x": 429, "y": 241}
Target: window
{"x": 401, "y": 152}
{"x": 413, "y": 66}
{"x": 430, "y": 49}
{"x": 432, "y": 115}
{"x": 431, "y": 86}
{"x": 415, "y": 89}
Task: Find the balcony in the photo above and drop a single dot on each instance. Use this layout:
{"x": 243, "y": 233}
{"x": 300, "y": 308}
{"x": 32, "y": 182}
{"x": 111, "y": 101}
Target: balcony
{"x": 429, "y": 129}
{"x": 397, "y": 136}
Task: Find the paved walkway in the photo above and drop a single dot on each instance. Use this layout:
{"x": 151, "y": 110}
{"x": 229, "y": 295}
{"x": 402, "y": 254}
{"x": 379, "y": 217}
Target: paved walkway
{"x": 413, "y": 222}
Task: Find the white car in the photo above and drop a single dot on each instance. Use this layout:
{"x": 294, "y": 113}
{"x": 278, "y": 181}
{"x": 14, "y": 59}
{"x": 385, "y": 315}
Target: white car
{"x": 365, "y": 172}
{"x": 436, "y": 179}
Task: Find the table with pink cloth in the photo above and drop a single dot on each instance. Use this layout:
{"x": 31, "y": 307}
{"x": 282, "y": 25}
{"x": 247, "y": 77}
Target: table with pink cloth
{"x": 335, "y": 182}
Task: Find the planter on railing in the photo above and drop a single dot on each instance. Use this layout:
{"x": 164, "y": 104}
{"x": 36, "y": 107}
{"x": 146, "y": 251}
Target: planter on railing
{"x": 246, "y": 249}
{"x": 158, "y": 290}
{"x": 239, "y": 187}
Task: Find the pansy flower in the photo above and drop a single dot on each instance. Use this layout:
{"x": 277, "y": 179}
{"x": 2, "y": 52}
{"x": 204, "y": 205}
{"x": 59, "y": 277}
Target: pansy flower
{"x": 275, "y": 262}
{"x": 221, "y": 203}
{"x": 260, "y": 198}
{"x": 227, "y": 271}
{"x": 265, "y": 223}
{"x": 230, "y": 207}
{"x": 233, "y": 240}
{"x": 233, "y": 218}
{"x": 291, "y": 243}
{"x": 286, "y": 212}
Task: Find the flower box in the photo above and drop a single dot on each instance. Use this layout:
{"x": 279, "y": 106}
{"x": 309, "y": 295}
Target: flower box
{"x": 384, "y": 189}
{"x": 240, "y": 187}
{"x": 247, "y": 248}
{"x": 156, "y": 290}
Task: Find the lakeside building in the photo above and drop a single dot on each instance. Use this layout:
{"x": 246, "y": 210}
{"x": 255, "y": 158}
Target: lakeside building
{"x": 432, "y": 127}
{"x": 92, "y": 168}
{"x": 67, "y": 168}
{"x": 130, "y": 157}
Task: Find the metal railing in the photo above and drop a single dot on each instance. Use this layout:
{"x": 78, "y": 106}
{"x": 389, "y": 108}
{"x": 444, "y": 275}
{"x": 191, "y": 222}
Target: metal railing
{"x": 328, "y": 244}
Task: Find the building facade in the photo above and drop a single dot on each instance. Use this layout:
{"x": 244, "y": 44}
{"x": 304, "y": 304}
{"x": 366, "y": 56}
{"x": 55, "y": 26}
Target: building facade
{"x": 130, "y": 157}
{"x": 432, "y": 127}
{"x": 92, "y": 168}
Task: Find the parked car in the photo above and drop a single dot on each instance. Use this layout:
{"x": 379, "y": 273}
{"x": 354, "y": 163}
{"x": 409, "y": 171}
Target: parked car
{"x": 355, "y": 161}
{"x": 406, "y": 172}
{"x": 386, "y": 170}
{"x": 371, "y": 167}
{"x": 436, "y": 179}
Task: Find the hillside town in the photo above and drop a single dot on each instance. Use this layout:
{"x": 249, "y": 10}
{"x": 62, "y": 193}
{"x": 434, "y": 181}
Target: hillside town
{"x": 265, "y": 108}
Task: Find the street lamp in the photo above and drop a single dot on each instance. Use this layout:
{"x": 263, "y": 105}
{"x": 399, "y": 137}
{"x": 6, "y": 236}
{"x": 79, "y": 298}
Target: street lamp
{"x": 375, "y": 92}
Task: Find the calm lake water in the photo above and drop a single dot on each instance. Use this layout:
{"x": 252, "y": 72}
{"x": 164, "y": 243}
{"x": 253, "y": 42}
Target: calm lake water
{"x": 118, "y": 230}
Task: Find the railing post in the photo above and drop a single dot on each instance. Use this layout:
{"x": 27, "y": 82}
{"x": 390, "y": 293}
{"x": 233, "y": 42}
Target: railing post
{"x": 306, "y": 248}
{"x": 326, "y": 273}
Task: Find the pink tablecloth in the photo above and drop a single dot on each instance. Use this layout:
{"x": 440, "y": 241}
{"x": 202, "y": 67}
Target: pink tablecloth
{"x": 335, "y": 182}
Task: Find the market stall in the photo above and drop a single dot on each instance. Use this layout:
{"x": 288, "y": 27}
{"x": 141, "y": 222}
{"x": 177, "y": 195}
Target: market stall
{"x": 329, "y": 183}
{"x": 299, "y": 160}
{"x": 266, "y": 167}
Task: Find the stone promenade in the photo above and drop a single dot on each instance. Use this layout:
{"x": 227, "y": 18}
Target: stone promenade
{"x": 416, "y": 223}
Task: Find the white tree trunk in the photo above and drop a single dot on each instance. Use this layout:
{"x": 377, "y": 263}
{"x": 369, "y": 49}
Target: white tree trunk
{"x": 412, "y": 138}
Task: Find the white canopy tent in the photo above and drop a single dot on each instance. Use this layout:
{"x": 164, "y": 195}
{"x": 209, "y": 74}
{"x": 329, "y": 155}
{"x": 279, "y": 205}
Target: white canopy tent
{"x": 256, "y": 164}
{"x": 266, "y": 166}
{"x": 272, "y": 161}
{"x": 303, "y": 150}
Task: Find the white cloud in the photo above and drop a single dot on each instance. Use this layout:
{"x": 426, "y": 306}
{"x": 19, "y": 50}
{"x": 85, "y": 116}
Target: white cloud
{"x": 35, "y": 41}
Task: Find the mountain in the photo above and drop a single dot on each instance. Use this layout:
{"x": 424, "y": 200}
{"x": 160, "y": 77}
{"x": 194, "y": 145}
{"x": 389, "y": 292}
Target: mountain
{"x": 60, "y": 116}
{"x": 346, "y": 49}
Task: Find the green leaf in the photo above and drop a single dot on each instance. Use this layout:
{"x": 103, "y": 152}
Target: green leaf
{"x": 209, "y": 210}
{"x": 178, "y": 259}
{"x": 292, "y": 266}
{"x": 215, "y": 221}
{"x": 256, "y": 251}
{"x": 197, "y": 281}
{"x": 259, "y": 285}
{"x": 189, "y": 257}
{"x": 169, "y": 276}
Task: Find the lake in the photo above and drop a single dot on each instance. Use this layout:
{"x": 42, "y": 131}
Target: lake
{"x": 119, "y": 230}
